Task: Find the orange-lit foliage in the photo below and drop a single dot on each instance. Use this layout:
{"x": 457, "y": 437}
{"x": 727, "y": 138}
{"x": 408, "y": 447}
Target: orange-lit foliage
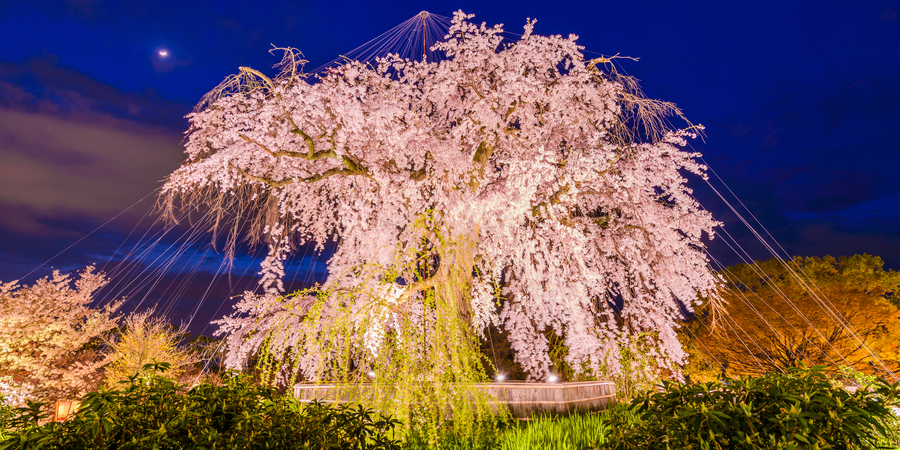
{"x": 813, "y": 311}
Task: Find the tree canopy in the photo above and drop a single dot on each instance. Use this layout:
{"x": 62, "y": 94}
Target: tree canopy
{"x": 522, "y": 184}
{"x": 146, "y": 338}
{"x": 48, "y": 331}
{"x": 814, "y": 311}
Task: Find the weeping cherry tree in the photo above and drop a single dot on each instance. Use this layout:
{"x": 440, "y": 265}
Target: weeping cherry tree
{"x": 514, "y": 184}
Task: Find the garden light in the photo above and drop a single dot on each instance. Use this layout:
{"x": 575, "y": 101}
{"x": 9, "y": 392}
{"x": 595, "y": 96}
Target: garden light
{"x": 500, "y": 377}
{"x": 552, "y": 378}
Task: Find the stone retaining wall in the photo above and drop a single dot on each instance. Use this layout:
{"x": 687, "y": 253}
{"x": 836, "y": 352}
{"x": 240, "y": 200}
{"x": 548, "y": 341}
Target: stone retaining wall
{"x": 523, "y": 399}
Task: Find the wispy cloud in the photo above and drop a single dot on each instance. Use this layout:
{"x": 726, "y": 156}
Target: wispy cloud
{"x": 73, "y": 147}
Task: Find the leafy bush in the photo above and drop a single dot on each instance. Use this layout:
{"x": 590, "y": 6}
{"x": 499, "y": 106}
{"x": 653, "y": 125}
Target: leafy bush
{"x": 640, "y": 371}
{"x": 7, "y": 412}
{"x": 890, "y": 438}
{"x": 797, "y": 410}
{"x": 152, "y": 412}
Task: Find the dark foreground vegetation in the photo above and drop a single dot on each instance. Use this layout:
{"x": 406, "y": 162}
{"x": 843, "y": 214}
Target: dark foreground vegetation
{"x": 152, "y": 412}
{"x": 798, "y": 410}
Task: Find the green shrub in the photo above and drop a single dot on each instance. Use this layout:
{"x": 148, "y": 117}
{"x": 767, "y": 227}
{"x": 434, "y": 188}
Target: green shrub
{"x": 7, "y": 412}
{"x": 151, "y": 412}
{"x": 797, "y": 410}
{"x": 890, "y": 438}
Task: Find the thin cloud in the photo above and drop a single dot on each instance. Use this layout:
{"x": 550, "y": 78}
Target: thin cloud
{"x": 41, "y": 85}
{"x": 57, "y": 166}
{"x": 75, "y": 152}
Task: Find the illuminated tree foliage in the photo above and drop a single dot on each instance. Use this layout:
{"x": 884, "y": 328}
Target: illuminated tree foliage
{"x": 146, "y": 339}
{"x": 516, "y": 184}
{"x": 815, "y": 311}
{"x": 48, "y": 333}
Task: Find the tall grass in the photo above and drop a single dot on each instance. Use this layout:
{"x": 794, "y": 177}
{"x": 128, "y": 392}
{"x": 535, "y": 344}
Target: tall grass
{"x": 582, "y": 431}
{"x": 576, "y": 432}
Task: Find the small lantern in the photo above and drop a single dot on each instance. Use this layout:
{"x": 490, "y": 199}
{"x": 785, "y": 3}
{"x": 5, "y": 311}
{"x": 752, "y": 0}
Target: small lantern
{"x": 65, "y": 409}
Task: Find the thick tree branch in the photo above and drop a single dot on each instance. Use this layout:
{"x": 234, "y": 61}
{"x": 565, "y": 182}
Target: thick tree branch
{"x": 352, "y": 166}
{"x": 554, "y": 199}
{"x": 418, "y": 175}
{"x": 311, "y": 179}
{"x": 313, "y": 155}
{"x": 270, "y": 152}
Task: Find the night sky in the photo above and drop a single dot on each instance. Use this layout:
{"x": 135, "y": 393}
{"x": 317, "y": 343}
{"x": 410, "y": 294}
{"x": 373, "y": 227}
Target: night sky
{"x": 800, "y": 100}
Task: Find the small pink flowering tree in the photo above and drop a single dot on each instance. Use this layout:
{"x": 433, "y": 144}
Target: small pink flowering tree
{"x": 503, "y": 185}
{"x": 50, "y": 334}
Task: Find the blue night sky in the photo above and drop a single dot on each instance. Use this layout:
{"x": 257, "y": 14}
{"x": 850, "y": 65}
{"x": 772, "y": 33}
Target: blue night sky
{"x": 801, "y": 103}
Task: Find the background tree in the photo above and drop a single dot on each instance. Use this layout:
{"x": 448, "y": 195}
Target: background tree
{"x": 515, "y": 171}
{"x": 50, "y": 334}
{"x": 811, "y": 310}
{"x": 146, "y": 338}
